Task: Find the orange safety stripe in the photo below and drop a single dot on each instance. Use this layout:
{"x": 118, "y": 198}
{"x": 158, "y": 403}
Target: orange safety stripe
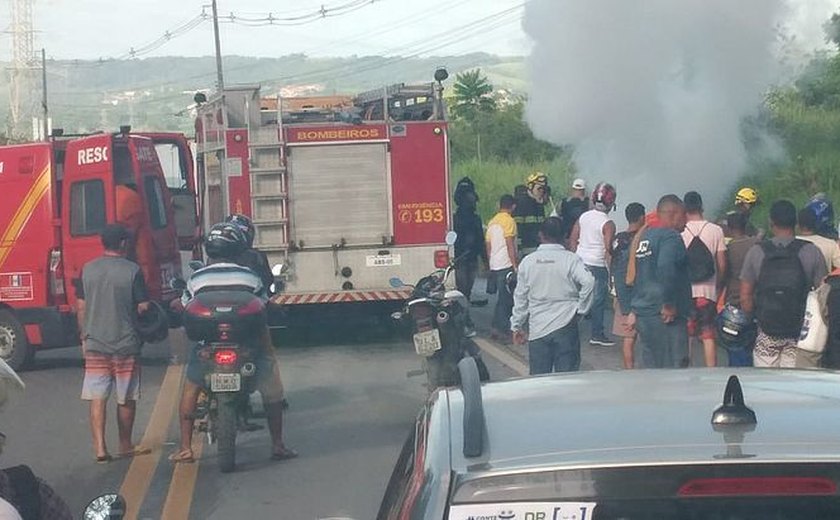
{"x": 24, "y": 212}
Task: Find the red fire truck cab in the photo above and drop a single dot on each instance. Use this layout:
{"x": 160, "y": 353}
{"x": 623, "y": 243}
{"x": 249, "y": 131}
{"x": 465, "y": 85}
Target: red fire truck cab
{"x": 58, "y": 196}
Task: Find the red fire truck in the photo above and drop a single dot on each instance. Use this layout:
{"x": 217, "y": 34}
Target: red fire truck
{"x": 57, "y": 196}
{"x": 347, "y": 191}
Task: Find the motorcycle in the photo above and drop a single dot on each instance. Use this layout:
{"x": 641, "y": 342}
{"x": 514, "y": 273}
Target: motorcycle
{"x": 225, "y": 323}
{"x": 438, "y": 318}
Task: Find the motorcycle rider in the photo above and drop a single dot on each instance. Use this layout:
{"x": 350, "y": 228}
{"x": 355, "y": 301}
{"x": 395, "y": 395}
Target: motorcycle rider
{"x": 252, "y": 258}
{"x": 529, "y": 213}
{"x": 224, "y": 244}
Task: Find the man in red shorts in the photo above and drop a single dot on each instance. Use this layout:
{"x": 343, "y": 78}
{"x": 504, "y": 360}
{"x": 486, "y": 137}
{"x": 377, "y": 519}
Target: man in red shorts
{"x": 706, "y": 254}
{"x": 110, "y": 292}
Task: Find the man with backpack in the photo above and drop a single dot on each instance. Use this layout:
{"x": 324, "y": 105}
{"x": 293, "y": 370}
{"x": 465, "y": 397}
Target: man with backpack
{"x": 706, "y": 255}
{"x": 777, "y": 275}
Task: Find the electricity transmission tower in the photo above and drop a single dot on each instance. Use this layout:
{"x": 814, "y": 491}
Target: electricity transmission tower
{"x": 22, "y": 73}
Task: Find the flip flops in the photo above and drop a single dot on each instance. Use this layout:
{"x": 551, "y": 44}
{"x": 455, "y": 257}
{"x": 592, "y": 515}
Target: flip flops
{"x": 182, "y": 457}
{"x": 135, "y": 451}
{"x": 104, "y": 459}
{"x": 284, "y": 455}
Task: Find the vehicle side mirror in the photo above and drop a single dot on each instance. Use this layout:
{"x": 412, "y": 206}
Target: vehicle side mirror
{"x": 451, "y": 238}
{"x": 195, "y": 265}
{"x": 106, "y": 507}
{"x": 178, "y": 284}
{"x": 279, "y": 270}
{"x": 396, "y": 283}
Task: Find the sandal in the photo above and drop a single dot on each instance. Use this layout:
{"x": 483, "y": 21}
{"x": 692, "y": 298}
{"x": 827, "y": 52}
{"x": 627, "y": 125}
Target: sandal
{"x": 286, "y": 454}
{"x": 135, "y": 451}
{"x": 104, "y": 459}
{"x": 182, "y": 457}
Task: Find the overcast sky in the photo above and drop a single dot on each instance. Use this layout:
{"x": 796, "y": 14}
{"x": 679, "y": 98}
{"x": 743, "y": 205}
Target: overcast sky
{"x": 91, "y": 29}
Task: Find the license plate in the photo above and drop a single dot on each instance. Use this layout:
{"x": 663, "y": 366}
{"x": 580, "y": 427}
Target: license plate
{"x": 427, "y": 343}
{"x": 383, "y": 260}
{"x": 225, "y": 382}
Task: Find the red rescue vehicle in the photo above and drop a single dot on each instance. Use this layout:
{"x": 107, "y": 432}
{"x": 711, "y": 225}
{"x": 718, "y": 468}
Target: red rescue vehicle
{"x": 346, "y": 191}
{"x": 57, "y": 196}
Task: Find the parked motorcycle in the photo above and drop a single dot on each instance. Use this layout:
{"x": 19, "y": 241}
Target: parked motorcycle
{"x": 226, "y": 322}
{"x": 438, "y": 318}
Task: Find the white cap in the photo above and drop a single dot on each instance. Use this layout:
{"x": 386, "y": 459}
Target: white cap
{"x": 579, "y": 184}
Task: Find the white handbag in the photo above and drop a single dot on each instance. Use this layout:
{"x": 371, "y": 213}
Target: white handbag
{"x": 814, "y": 334}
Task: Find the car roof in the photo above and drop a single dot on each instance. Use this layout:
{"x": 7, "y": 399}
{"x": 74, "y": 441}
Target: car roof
{"x": 648, "y": 417}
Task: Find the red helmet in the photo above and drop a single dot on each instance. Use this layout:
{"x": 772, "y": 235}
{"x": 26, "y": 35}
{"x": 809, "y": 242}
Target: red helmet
{"x": 603, "y": 196}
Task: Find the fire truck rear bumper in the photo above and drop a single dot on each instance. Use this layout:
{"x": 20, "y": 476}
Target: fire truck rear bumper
{"x": 49, "y": 327}
{"x": 341, "y": 297}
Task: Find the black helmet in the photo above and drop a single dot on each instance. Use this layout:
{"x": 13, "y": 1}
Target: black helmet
{"x": 225, "y": 241}
{"x": 153, "y": 325}
{"x": 244, "y": 223}
{"x": 735, "y": 329}
{"x": 510, "y": 282}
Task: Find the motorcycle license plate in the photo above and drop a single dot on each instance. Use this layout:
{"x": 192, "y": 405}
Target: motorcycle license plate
{"x": 225, "y": 382}
{"x": 427, "y": 343}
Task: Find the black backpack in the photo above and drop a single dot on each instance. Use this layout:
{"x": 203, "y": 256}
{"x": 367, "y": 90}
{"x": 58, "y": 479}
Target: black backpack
{"x": 25, "y": 488}
{"x": 701, "y": 262}
{"x": 781, "y": 290}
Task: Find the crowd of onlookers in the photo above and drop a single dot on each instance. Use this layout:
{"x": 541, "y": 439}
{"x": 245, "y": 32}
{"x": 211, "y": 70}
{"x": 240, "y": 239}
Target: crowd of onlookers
{"x": 677, "y": 280}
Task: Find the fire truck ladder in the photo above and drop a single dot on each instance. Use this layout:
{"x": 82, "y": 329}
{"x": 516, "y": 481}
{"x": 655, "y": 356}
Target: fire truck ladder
{"x": 269, "y": 186}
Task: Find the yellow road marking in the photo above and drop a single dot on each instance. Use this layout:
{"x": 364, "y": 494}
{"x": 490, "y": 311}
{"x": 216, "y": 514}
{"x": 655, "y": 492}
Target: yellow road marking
{"x": 503, "y": 357}
{"x": 139, "y": 476}
{"x": 181, "y": 488}
{"x": 24, "y": 211}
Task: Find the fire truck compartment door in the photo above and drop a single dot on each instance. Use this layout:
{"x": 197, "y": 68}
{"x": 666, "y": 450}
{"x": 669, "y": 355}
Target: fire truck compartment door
{"x": 340, "y": 192}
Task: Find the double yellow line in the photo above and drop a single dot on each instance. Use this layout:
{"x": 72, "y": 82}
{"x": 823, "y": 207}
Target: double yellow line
{"x": 140, "y": 473}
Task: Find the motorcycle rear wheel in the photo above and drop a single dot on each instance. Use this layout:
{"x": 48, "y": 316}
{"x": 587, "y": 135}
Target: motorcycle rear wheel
{"x": 226, "y": 432}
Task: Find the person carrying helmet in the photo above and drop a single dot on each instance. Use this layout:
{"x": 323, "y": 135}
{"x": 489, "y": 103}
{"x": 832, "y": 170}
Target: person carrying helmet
{"x": 591, "y": 238}
{"x": 110, "y": 292}
{"x": 22, "y": 494}
{"x": 530, "y": 211}
{"x": 224, "y": 244}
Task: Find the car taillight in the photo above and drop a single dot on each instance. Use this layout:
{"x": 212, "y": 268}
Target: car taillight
{"x": 254, "y": 306}
{"x": 225, "y": 357}
{"x": 441, "y": 258}
{"x": 196, "y": 308}
{"x": 772, "y": 486}
{"x": 56, "y": 284}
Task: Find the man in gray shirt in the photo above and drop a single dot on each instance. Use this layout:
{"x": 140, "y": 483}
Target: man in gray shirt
{"x": 110, "y": 293}
{"x": 553, "y": 289}
{"x": 775, "y": 280}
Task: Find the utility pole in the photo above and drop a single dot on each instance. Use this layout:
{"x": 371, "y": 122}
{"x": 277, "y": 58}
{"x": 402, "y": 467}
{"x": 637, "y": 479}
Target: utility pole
{"x": 21, "y": 100}
{"x": 44, "y": 96}
{"x": 220, "y": 80}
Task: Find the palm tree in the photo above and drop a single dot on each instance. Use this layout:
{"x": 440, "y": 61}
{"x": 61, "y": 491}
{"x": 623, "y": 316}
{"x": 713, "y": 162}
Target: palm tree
{"x": 473, "y": 95}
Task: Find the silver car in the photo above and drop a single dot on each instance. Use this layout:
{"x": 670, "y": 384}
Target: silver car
{"x": 694, "y": 444}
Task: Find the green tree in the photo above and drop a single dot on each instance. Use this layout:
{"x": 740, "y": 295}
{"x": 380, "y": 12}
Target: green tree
{"x": 473, "y": 95}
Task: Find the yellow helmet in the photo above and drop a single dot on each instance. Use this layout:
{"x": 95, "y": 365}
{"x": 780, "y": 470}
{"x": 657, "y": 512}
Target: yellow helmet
{"x": 746, "y": 196}
{"x": 536, "y": 178}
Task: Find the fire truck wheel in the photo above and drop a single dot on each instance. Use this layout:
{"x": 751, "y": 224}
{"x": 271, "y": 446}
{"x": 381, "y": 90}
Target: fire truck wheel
{"x": 14, "y": 348}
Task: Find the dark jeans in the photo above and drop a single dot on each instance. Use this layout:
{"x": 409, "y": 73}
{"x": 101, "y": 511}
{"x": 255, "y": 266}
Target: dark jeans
{"x": 557, "y": 352}
{"x": 504, "y": 302}
{"x": 740, "y": 358}
{"x": 663, "y": 346}
{"x": 599, "y": 299}
{"x": 465, "y": 273}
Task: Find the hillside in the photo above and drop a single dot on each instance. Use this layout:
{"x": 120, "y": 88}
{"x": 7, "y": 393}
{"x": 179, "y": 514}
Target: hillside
{"x": 153, "y": 93}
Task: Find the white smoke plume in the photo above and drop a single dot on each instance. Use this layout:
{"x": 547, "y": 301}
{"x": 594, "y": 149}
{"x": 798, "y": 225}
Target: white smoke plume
{"x": 652, "y": 93}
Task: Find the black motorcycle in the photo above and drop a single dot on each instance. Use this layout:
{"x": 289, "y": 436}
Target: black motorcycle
{"x": 226, "y": 323}
{"x": 438, "y": 318}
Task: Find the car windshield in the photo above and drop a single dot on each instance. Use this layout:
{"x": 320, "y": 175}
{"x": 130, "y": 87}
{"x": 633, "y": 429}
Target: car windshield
{"x": 500, "y": 255}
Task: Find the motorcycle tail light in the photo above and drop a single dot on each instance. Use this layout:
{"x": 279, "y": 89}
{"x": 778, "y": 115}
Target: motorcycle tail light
{"x": 255, "y": 306}
{"x": 420, "y": 311}
{"x": 225, "y": 357}
{"x": 196, "y": 308}
{"x": 441, "y": 258}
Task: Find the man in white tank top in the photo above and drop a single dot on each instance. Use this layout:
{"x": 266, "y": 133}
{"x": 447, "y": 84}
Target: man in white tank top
{"x": 591, "y": 238}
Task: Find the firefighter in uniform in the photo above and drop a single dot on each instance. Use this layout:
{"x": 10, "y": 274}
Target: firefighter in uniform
{"x": 530, "y": 211}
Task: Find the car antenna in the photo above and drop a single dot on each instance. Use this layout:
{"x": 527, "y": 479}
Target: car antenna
{"x": 474, "y": 424}
{"x": 733, "y": 411}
